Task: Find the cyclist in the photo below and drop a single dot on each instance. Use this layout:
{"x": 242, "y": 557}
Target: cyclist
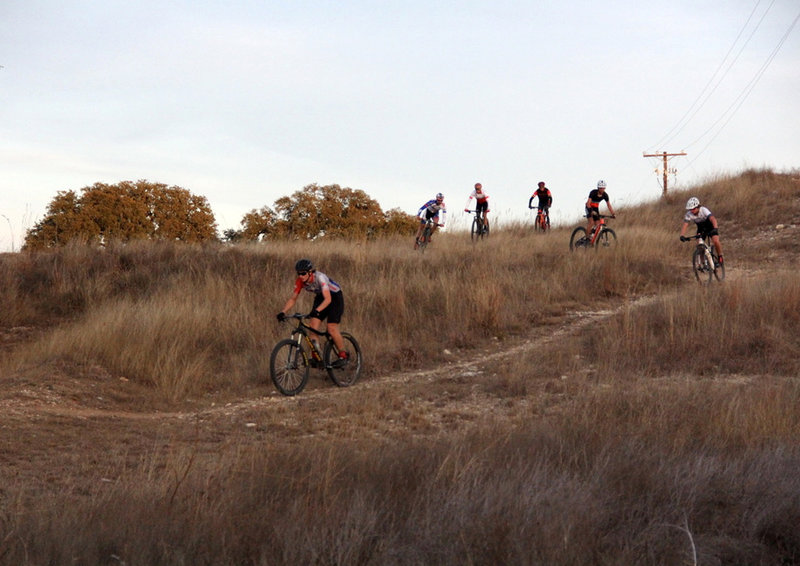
{"x": 481, "y": 203}
{"x": 596, "y": 196}
{"x": 328, "y": 303}
{"x": 706, "y": 222}
{"x": 430, "y": 211}
{"x": 545, "y": 200}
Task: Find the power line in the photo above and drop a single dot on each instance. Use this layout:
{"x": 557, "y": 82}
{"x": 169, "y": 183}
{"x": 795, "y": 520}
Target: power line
{"x": 739, "y": 101}
{"x": 681, "y": 124}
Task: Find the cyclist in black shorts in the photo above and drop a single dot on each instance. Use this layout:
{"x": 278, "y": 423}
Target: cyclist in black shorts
{"x": 706, "y": 224}
{"x": 596, "y": 196}
{"x": 545, "y": 200}
{"x": 328, "y": 303}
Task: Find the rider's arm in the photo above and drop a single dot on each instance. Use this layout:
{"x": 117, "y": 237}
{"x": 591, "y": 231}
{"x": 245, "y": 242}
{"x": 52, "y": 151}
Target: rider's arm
{"x": 290, "y": 303}
{"x": 442, "y": 216}
{"x": 683, "y": 228}
{"x": 326, "y": 299}
{"x": 610, "y": 208}
{"x": 530, "y": 201}
{"x": 713, "y": 220}
{"x": 466, "y": 206}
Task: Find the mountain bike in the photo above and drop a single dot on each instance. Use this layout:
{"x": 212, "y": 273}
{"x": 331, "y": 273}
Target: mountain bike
{"x": 601, "y": 237}
{"x": 479, "y": 227}
{"x": 705, "y": 262}
{"x": 542, "y": 221}
{"x": 425, "y": 238}
{"x": 292, "y": 358}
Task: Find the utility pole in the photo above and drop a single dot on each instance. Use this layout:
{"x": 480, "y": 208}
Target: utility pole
{"x": 665, "y": 171}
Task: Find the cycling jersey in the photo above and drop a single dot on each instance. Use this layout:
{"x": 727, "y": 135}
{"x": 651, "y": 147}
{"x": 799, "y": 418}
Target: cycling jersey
{"x": 431, "y": 209}
{"x": 316, "y": 284}
{"x": 481, "y": 198}
{"x": 482, "y": 203}
{"x": 701, "y": 216}
{"x": 703, "y": 221}
{"x": 544, "y": 196}
{"x": 596, "y": 198}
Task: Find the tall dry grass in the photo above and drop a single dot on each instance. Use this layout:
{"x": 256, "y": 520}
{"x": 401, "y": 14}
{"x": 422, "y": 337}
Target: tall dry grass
{"x": 627, "y": 475}
{"x": 664, "y": 434}
{"x": 192, "y": 319}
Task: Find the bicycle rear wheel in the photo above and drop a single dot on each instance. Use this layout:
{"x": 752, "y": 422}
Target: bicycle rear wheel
{"x": 606, "y": 239}
{"x": 288, "y": 367}
{"x": 578, "y": 239}
{"x": 719, "y": 268}
{"x": 702, "y": 270}
{"x": 347, "y": 373}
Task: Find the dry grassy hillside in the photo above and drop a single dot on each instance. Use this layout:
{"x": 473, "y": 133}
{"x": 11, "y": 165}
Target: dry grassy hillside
{"x": 521, "y": 404}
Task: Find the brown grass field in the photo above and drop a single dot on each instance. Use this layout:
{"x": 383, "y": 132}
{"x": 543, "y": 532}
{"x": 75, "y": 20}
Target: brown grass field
{"x": 520, "y": 404}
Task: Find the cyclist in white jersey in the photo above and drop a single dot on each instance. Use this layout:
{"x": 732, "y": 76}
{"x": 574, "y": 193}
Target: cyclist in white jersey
{"x": 481, "y": 203}
{"x": 434, "y": 210}
{"x": 706, "y": 224}
{"x": 328, "y": 303}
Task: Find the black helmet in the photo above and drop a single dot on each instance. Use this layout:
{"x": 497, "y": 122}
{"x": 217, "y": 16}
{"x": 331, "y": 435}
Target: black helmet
{"x": 303, "y": 265}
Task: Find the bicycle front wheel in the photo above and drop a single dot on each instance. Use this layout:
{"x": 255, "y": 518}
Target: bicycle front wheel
{"x": 578, "y": 239}
{"x": 606, "y": 239}
{"x": 343, "y": 373}
{"x": 426, "y": 237}
{"x": 702, "y": 270}
{"x": 476, "y": 229}
{"x": 288, "y": 367}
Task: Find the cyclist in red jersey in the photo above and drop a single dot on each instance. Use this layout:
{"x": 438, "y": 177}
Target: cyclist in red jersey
{"x": 545, "y": 199}
{"x": 481, "y": 203}
{"x": 596, "y": 196}
{"x": 328, "y": 303}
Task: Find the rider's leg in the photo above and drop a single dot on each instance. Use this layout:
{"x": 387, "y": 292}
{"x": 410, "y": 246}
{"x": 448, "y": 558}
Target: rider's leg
{"x": 336, "y": 335}
{"x": 717, "y": 246}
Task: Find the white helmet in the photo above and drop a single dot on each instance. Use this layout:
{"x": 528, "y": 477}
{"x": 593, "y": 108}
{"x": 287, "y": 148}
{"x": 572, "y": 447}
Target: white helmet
{"x": 693, "y": 202}
{"x": 601, "y": 184}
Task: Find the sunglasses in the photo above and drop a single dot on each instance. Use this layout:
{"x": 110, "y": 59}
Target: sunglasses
{"x": 302, "y": 273}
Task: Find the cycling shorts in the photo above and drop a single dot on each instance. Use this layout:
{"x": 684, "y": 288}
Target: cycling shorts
{"x": 430, "y": 216}
{"x": 482, "y": 206}
{"x": 334, "y": 311}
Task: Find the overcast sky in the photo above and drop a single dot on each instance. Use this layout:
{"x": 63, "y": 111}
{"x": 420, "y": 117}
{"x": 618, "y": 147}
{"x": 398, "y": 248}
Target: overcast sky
{"x": 247, "y": 101}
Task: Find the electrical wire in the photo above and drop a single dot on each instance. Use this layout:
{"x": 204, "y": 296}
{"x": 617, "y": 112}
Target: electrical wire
{"x": 684, "y": 121}
{"x": 739, "y": 101}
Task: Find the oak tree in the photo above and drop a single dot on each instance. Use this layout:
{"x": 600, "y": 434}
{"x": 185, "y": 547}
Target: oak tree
{"x": 123, "y": 212}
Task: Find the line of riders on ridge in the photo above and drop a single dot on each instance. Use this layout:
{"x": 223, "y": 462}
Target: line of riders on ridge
{"x": 436, "y": 211}
{"x": 328, "y": 296}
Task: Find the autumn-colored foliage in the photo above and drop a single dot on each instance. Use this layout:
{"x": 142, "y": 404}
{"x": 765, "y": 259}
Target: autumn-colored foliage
{"x": 125, "y": 211}
{"x": 330, "y": 211}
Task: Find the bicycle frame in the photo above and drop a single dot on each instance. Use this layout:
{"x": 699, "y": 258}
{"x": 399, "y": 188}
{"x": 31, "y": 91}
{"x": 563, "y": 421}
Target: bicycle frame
{"x": 542, "y": 218}
{"x": 479, "y": 222}
{"x": 711, "y": 266}
{"x": 601, "y": 225}
{"x": 301, "y": 331}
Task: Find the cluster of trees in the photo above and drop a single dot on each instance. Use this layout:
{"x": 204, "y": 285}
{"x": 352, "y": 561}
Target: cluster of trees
{"x": 329, "y": 211}
{"x": 144, "y": 210}
{"x": 125, "y": 211}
